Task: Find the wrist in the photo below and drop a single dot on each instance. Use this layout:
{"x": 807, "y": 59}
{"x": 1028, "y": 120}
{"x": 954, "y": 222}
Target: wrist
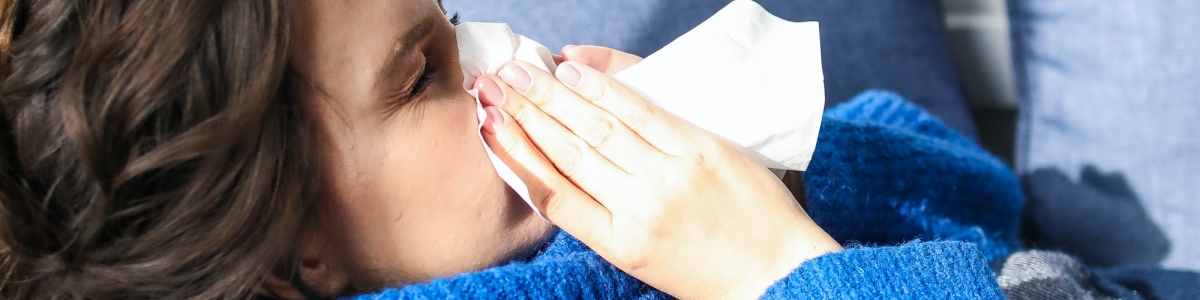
{"x": 809, "y": 241}
{"x": 806, "y": 243}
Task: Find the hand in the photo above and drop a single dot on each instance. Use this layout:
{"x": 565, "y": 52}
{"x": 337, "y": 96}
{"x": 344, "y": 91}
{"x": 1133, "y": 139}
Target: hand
{"x": 663, "y": 200}
{"x": 606, "y": 60}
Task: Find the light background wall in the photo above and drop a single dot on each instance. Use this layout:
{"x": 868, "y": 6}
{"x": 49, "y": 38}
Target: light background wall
{"x": 978, "y": 31}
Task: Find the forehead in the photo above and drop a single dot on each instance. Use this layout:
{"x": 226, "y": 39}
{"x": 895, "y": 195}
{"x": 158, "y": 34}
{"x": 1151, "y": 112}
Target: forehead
{"x": 340, "y": 43}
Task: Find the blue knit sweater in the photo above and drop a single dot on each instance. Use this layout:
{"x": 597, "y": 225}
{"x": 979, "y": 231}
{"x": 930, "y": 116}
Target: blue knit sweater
{"x": 921, "y": 209}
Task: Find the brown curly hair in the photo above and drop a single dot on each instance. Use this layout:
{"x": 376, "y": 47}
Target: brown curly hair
{"x": 148, "y": 149}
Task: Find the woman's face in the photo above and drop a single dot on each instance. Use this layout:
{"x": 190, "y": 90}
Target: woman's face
{"x": 410, "y": 192}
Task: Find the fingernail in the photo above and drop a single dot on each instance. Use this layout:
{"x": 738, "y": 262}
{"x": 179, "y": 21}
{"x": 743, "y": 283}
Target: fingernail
{"x": 494, "y": 120}
{"x": 568, "y": 74}
{"x": 516, "y": 77}
{"x": 567, "y": 47}
{"x": 490, "y": 94}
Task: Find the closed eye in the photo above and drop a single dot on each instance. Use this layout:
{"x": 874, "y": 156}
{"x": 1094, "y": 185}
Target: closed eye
{"x": 428, "y": 76}
{"x": 417, "y": 86}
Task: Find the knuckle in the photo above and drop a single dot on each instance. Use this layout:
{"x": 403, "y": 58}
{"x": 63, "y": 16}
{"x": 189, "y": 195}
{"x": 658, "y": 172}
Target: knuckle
{"x": 708, "y": 143}
{"x": 550, "y": 200}
{"x": 699, "y": 152}
{"x": 698, "y": 158}
{"x": 601, "y": 133}
{"x": 543, "y": 93}
{"x": 507, "y": 147}
{"x": 520, "y": 112}
{"x": 594, "y": 90}
{"x": 541, "y": 96}
{"x": 641, "y": 246}
{"x": 570, "y": 158}
{"x": 709, "y": 154}
{"x": 513, "y": 145}
{"x": 636, "y": 262}
{"x": 638, "y": 117}
{"x": 632, "y": 254}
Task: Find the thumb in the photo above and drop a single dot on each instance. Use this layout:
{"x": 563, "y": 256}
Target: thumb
{"x": 606, "y": 60}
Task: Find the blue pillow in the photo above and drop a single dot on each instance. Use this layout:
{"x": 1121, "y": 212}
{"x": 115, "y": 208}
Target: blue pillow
{"x": 896, "y": 45}
{"x": 1116, "y": 85}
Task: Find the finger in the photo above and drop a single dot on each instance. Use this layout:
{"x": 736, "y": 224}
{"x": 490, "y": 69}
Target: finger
{"x": 572, "y": 157}
{"x": 596, "y": 127}
{"x": 559, "y": 200}
{"x": 656, "y": 126}
{"x": 606, "y": 60}
{"x": 558, "y": 59}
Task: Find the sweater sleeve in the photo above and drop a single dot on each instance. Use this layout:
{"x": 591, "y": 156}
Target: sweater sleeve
{"x": 924, "y": 270}
{"x": 884, "y": 172}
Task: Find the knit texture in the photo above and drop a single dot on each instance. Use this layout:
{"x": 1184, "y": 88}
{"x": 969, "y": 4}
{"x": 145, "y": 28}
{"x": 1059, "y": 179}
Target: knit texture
{"x": 566, "y": 269}
{"x": 916, "y": 270}
{"x": 884, "y": 173}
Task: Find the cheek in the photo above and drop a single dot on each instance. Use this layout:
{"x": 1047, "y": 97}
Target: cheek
{"x": 427, "y": 162}
{"x": 442, "y": 158}
{"x": 426, "y": 199}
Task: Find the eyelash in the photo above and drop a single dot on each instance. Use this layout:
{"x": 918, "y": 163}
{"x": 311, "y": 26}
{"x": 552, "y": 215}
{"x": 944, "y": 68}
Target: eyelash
{"x": 428, "y": 77}
{"x": 429, "y": 74}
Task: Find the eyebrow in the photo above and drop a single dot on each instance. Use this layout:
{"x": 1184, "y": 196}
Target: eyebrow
{"x": 404, "y": 44}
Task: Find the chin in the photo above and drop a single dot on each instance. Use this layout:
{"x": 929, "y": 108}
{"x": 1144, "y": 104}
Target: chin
{"x": 534, "y": 231}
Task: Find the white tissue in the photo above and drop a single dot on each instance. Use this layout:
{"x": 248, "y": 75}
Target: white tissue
{"x": 483, "y": 48}
{"x": 743, "y": 74}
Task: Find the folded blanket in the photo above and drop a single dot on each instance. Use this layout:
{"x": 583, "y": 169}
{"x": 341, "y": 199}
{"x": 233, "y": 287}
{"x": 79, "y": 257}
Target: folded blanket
{"x": 884, "y": 173}
{"x": 1041, "y": 274}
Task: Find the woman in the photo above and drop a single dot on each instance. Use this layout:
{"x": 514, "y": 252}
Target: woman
{"x": 218, "y": 149}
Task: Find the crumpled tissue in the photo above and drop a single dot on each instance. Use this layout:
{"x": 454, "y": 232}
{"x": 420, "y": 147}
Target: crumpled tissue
{"x": 743, "y": 74}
